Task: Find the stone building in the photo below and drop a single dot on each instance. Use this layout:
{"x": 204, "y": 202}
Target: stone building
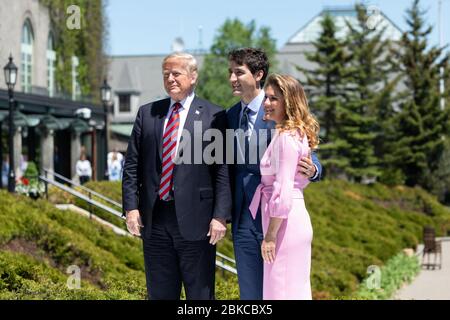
{"x": 48, "y": 130}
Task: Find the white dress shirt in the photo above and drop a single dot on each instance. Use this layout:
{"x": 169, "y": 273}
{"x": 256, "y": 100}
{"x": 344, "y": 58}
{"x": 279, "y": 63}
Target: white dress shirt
{"x": 254, "y": 106}
{"x": 183, "y": 112}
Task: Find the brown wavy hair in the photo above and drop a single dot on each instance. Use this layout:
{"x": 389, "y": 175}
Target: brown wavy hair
{"x": 298, "y": 115}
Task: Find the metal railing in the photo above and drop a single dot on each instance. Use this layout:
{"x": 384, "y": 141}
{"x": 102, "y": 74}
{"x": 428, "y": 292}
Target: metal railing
{"x": 225, "y": 263}
{"x": 79, "y": 195}
{"x": 222, "y": 261}
{"x": 89, "y": 191}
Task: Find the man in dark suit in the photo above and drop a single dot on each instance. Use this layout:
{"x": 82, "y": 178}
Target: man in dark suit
{"x": 178, "y": 205}
{"x": 248, "y": 68}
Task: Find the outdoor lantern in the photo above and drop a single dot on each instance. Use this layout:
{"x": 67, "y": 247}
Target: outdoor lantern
{"x": 106, "y": 99}
{"x": 10, "y": 73}
{"x": 11, "y": 78}
{"x": 106, "y": 92}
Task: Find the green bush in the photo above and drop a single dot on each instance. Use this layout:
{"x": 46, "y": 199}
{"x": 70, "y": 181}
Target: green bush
{"x": 31, "y": 172}
{"x": 355, "y": 226}
{"x": 398, "y": 270}
{"x": 62, "y": 239}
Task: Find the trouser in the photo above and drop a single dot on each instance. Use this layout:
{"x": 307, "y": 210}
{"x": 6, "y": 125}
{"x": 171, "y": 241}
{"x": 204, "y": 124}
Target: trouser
{"x": 247, "y": 241}
{"x": 84, "y": 179}
{"x": 171, "y": 261}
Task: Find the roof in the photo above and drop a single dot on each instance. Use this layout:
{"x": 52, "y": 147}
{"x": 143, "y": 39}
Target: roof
{"x": 122, "y": 129}
{"x": 311, "y": 30}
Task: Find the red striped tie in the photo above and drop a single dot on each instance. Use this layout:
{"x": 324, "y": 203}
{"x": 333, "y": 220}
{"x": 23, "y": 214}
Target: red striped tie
{"x": 169, "y": 146}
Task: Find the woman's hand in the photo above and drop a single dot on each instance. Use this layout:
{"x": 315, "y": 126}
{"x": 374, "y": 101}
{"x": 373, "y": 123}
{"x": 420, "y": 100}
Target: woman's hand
{"x": 268, "y": 249}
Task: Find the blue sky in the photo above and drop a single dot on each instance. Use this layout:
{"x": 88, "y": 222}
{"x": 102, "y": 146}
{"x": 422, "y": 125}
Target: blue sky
{"x": 149, "y": 27}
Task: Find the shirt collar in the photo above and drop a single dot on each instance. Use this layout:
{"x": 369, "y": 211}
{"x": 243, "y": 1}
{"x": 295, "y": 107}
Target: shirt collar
{"x": 186, "y": 102}
{"x": 255, "y": 104}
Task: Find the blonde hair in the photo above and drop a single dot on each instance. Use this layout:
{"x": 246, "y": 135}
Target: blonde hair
{"x": 298, "y": 115}
{"x": 191, "y": 62}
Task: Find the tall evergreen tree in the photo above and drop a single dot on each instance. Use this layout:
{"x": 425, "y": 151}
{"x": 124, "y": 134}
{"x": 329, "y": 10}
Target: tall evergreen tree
{"x": 421, "y": 126}
{"x": 326, "y": 87}
{"x": 440, "y": 177}
{"x": 356, "y": 123}
{"x": 213, "y": 78}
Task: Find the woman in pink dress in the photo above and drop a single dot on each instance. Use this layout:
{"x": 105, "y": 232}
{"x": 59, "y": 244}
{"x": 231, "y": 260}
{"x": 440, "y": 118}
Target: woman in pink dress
{"x": 286, "y": 248}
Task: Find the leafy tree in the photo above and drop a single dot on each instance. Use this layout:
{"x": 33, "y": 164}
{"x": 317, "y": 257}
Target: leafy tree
{"x": 87, "y": 43}
{"x": 421, "y": 126}
{"x": 213, "y": 78}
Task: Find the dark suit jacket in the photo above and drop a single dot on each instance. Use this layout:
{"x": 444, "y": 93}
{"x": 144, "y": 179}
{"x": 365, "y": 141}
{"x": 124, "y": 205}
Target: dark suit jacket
{"x": 201, "y": 191}
{"x": 246, "y": 177}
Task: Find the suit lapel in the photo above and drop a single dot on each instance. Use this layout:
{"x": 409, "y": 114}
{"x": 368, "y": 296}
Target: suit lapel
{"x": 161, "y": 114}
{"x": 194, "y": 114}
{"x": 236, "y": 109}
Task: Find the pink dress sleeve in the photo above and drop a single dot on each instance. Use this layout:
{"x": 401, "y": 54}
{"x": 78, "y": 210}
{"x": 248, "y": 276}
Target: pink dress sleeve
{"x": 286, "y": 159}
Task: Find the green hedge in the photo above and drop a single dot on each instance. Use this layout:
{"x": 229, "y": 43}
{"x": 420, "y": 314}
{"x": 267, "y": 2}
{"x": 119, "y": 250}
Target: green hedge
{"x": 108, "y": 189}
{"x": 112, "y": 266}
{"x": 65, "y": 239}
{"x": 399, "y": 270}
{"x": 355, "y": 226}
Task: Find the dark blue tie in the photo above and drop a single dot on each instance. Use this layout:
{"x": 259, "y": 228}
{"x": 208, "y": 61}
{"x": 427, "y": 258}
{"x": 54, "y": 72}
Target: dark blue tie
{"x": 245, "y": 119}
{"x": 244, "y": 125}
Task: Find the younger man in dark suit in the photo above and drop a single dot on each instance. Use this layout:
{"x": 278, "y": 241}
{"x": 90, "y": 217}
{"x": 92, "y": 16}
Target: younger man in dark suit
{"x": 248, "y": 68}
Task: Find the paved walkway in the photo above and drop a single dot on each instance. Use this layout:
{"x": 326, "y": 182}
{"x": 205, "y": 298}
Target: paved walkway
{"x": 430, "y": 284}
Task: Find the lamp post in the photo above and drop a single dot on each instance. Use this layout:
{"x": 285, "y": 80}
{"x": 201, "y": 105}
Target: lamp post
{"x": 106, "y": 99}
{"x": 11, "y": 77}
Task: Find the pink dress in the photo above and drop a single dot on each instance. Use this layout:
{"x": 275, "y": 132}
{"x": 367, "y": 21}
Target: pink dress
{"x": 281, "y": 195}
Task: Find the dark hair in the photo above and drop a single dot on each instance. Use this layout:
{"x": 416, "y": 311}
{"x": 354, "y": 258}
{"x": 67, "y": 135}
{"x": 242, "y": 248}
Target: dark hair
{"x": 254, "y": 59}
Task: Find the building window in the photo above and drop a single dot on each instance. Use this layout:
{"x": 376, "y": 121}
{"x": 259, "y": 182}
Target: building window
{"x": 27, "y": 42}
{"x": 124, "y": 102}
{"x": 51, "y": 58}
{"x": 76, "y": 90}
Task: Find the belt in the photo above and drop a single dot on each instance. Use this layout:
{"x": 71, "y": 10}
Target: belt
{"x": 266, "y": 191}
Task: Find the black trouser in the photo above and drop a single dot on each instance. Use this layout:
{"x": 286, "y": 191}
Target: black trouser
{"x": 170, "y": 260}
{"x": 84, "y": 179}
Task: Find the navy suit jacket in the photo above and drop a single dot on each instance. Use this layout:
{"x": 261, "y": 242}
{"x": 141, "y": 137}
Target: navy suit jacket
{"x": 246, "y": 177}
{"x": 201, "y": 191}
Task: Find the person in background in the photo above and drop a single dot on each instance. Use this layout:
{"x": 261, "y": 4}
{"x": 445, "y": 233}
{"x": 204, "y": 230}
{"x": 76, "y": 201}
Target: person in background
{"x": 5, "y": 171}
{"x": 115, "y": 168}
{"x": 116, "y": 153}
{"x": 115, "y": 160}
{"x": 83, "y": 169}
{"x": 23, "y": 165}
